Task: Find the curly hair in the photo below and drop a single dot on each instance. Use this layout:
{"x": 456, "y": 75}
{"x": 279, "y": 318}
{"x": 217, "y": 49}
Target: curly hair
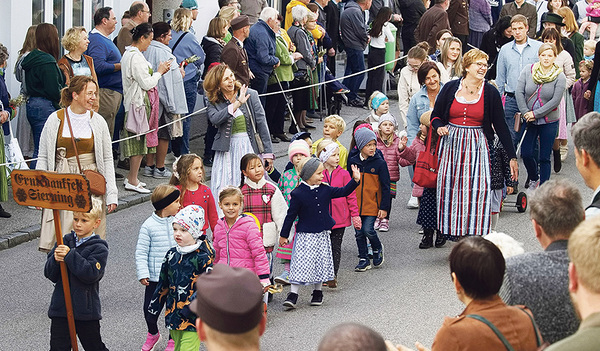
{"x": 212, "y": 83}
{"x": 71, "y": 39}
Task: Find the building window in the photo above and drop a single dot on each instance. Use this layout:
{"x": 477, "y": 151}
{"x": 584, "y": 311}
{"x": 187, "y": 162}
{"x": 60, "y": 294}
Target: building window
{"x": 37, "y": 12}
{"x": 58, "y": 16}
{"x": 96, "y": 4}
{"x": 78, "y": 13}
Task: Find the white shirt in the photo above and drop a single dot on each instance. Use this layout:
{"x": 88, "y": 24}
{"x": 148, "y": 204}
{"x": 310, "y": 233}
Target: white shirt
{"x": 79, "y": 123}
{"x": 386, "y": 33}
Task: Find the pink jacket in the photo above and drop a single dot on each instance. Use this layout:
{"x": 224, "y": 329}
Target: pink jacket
{"x": 241, "y": 246}
{"x": 342, "y": 209}
{"x": 591, "y": 11}
{"x": 395, "y": 158}
{"x": 417, "y": 146}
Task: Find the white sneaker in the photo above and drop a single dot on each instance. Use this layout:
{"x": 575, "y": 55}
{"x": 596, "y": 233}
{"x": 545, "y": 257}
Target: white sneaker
{"x": 413, "y": 203}
{"x": 533, "y": 185}
{"x": 126, "y": 181}
{"x": 139, "y": 188}
{"x": 165, "y": 173}
{"x": 148, "y": 171}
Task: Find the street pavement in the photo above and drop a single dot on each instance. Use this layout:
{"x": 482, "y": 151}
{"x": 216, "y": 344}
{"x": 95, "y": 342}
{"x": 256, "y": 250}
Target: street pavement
{"x": 405, "y": 300}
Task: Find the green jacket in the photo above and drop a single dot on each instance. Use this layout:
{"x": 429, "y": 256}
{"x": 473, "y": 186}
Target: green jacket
{"x": 43, "y": 77}
{"x": 284, "y": 72}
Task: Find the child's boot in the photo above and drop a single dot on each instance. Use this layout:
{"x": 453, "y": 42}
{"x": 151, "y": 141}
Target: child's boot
{"x": 170, "y": 345}
{"x": 378, "y": 257}
{"x": 151, "y": 341}
{"x": 440, "y": 240}
{"x": 377, "y": 224}
{"x": 363, "y": 265}
{"x": 427, "y": 240}
{"x": 290, "y": 302}
{"x": 384, "y": 226}
{"x": 317, "y": 298}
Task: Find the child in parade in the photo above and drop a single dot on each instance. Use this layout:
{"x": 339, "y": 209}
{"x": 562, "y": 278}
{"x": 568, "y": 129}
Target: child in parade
{"x": 343, "y": 210}
{"x": 580, "y": 87}
{"x": 85, "y": 254}
{"x": 154, "y": 240}
{"x": 395, "y": 154}
{"x": 333, "y": 128}
{"x": 297, "y": 151}
{"x": 299, "y": 136}
{"x": 373, "y": 196}
{"x": 589, "y": 49}
{"x": 188, "y": 177}
{"x": 501, "y": 182}
{"x": 379, "y": 104}
{"x": 264, "y": 200}
{"x": 237, "y": 238}
{"x": 312, "y": 262}
{"x": 181, "y": 267}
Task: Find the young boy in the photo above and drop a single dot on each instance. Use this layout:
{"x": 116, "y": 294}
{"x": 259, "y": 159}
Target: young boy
{"x": 333, "y": 128}
{"x": 589, "y": 49}
{"x": 181, "y": 267}
{"x": 372, "y": 196}
{"x": 85, "y": 255}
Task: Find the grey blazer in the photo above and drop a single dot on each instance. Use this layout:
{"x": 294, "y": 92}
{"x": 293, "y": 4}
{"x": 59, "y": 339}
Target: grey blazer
{"x": 218, "y": 114}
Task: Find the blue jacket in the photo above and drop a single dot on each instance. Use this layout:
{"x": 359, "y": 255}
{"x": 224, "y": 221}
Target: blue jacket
{"x": 154, "y": 240}
{"x": 311, "y": 206}
{"x": 105, "y": 54}
{"x": 85, "y": 266}
{"x": 187, "y": 47}
{"x": 418, "y": 105}
{"x": 260, "y": 47}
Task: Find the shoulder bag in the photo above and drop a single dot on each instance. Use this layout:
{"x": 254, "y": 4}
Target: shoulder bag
{"x": 259, "y": 142}
{"x": 426, "y": 167}
{"x": 95, "y": 178}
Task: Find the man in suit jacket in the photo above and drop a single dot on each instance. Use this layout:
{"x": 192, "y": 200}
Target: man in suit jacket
{"x": 586, "y": 137}
{"x": 539, "y": 280}
{"x": 433, "y": 20}
{"x": 458, "y": 16}
{"x": 520, "y": 7}
{"x": 234, "y": 54}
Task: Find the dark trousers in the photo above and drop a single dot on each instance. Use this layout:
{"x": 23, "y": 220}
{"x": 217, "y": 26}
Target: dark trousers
{"x": 408, "y": 37}
{"x": 259, "y": 83}
{"x": 331, "y": 64}
{"x": 151, "y": 320}
{"x": 355, "y": 62}
{"x": 375, "y": 78}
{"x": 88, "y": 333}
{"x": 337, "y": 235}
{"x": 277, "y": 106}
{"x": 209, "y": 139}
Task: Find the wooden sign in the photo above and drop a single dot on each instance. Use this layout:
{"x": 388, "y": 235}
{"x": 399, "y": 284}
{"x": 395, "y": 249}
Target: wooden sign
{"x": 58, "y": 191}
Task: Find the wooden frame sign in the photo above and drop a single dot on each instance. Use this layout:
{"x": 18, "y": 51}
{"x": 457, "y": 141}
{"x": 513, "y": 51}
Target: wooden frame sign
{"x": 57, "y": 191}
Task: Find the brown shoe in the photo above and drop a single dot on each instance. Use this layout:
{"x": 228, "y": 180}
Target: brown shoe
{"x": 332, "y": 284}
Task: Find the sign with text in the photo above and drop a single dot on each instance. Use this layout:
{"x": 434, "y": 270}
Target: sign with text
{"x": 58, "y": 191}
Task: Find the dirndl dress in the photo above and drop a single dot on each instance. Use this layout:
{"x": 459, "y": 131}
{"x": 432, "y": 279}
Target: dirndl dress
{"x": 312, "y": 260}
{"x": 427, "y": 217}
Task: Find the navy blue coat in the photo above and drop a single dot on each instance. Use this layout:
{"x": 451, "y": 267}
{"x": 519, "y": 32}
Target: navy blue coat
{"x": 85, "y": 266}
{"x": 260, "y": 47}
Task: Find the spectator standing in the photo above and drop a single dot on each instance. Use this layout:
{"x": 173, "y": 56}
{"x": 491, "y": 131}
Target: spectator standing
{"x": 580, "y": 10}
{"x": 586, "y": 137}
{"x": 458, "y": 16}
{"x": 493, "y": 40}
{"x": 75, "y": 63}
{"x": 107, "y": 64}
{"x": 355, "y": 38}
{"x": 433, "y": 20}
{"x": 411, "y": 11}
{"x": 540, "y": 7}
{"x": 23, "y": 132}
{"x": 252, "y": 9}
{"x": 380, "y": 34}
{"x": 234, "y": 54}
{"x": 520, "y": 7}
{"x": 191, "y": 5}
{"x": 6, "y": 112}
{"x": 480, "y": 21}
{"x": 139, "y": 13}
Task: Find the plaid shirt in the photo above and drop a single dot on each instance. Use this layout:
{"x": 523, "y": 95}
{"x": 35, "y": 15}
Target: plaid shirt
{"x": 258, "y": 202}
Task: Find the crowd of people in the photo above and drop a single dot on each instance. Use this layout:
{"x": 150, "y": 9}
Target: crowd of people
{"x": 480, "y": 83}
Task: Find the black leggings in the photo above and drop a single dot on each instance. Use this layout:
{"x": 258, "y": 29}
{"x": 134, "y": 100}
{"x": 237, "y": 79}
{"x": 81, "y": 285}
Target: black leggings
{"x": 151, "y": 320}
{"x": 88, "y": 333}
{"x": 337, "y": 235}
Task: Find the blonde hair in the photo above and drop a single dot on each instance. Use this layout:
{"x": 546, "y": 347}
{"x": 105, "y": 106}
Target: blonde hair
{"x": 96, "y": 210}
{"x": 568, "y": 19}
{"x": 182, "y": 20}
{"x": 228, "y": 13}
{"x": 71, "y": 39}
{"x": 311, "y": 16}
{"x": 471, "y": 57}
{"x": 243, "y": 341}
{"x": 231, "y": 191}
{"x": 584, "y": 245}
{"x": 590, "y": 43}
{"x": 337, "y": 121}
{"x": 184, "y": 163}
{"x": 390, "y": 138}
{"x": 322, "y": 145}
{"x": 547, "y": 46}
{"x": 444, "y": 54}
{"x": 77, "y": 85}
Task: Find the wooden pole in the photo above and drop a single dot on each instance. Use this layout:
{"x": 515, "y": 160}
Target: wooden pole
{"x": 65, "y": 283}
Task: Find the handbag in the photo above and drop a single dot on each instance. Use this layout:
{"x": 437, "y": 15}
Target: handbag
{"x": 95, "y": 178}
{"x": 426, "y": 167}
{"x": 12, "y": 152}
{"x": 259, "y": 142}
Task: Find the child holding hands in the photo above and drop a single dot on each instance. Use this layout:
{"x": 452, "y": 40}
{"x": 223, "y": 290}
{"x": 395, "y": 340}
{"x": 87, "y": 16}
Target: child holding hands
{"x": 85, "y": 255}
{"x": 154, "y": 240}
{"x": 343, "y": 210}
{"x": 312, "y": 262}
{"x": 177, "y": 280}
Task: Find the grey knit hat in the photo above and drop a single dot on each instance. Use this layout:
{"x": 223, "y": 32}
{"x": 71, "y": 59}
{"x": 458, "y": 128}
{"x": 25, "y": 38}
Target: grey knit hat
{"x": 363, "y": 136}
{"x": 309, "y": 168}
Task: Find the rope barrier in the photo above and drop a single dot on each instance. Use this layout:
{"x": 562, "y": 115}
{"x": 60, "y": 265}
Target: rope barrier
{"x": 260, "y": 95}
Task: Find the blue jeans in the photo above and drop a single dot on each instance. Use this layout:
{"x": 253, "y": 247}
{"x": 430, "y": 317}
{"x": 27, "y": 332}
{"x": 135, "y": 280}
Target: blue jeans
{"x": 38, "y": 110}
{"x": 355, "y": 62}
{"x": 181, "y": 146}
{"x": 367, "y": 231}
{"x": 510, "y": 108}
{"x": 119, "y": 125}
{"x": 547, "y": 134}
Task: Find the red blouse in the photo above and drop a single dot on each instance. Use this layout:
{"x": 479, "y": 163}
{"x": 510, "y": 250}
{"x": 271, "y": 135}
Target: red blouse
{"x": 470, "y": 115}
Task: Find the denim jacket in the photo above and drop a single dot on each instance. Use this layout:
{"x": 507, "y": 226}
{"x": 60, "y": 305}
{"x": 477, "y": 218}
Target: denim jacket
{"x": 418, "y": 105}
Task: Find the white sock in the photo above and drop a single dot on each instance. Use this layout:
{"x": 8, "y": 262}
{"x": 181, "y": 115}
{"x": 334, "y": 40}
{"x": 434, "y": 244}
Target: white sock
{"x": 494, "y": 221}
{"x": 295, "y": 288}
{"x": 318, "y": 286}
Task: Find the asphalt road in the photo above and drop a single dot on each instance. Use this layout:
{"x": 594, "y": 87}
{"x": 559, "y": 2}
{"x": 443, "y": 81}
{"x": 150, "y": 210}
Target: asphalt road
{"x": 405, "y": 300}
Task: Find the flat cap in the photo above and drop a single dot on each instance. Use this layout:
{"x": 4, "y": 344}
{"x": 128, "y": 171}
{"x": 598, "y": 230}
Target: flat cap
{"x": 240, "y": 22}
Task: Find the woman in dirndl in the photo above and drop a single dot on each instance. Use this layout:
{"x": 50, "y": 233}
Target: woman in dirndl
{"x": 94, "y": 147}
{"x": 466, "y": 114}
{"x": 237, "y": 113}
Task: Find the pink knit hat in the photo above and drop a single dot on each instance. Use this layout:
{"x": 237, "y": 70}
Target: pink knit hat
{"x": 298, "y": 147}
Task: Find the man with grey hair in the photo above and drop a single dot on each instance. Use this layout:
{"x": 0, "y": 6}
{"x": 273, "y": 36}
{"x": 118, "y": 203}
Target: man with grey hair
{"x": 352, "y": 337}
{"x": 586, "y": 137}
{"x": 140, "y": 13}
{"x": 539, "y": 280}
{"x": 260, "y": 46}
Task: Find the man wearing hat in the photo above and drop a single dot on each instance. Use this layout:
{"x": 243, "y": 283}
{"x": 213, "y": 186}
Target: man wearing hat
{"x": 230, "y": 309}
{"x": 553, "y": 20}
{"x": 234, "y": 54}
{"x": 521, "y": 7}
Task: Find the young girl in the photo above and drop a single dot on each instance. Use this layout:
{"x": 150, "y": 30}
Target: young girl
{"x": 312, "y": 262}
{"x": 501, "y": 183}
{"x": 592, "y": 11}
{"x": 380, "y": 34}
{"x": 378, "y": 104}
{"x": 264, "y": 200}
{"x": 395, "y": 154}
{"x": 177, "y": 281}
{"x": 580, "y": 87}
{"x": 154, "y": 240}
{"x": 297, "y": 151}
{"x": 343, "y": 210}
{"x": 188, "y": 177}
{"x": 237, "y": 239}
